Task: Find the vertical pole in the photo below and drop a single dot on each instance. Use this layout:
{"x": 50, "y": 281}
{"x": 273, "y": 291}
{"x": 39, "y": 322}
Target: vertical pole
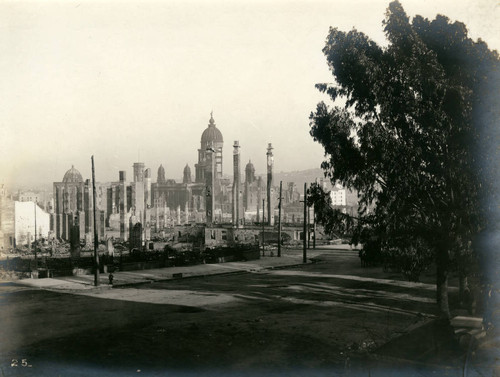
{"x": 35, "y": 220}
{"x": 263, "y": 200}
{"x": 308, "y": 228}
{"x": 143, "y": 233}
{"x": 304, "y": 259}
{"x": 96, "y": 239}
{"x": 279, "y": 222}
{"x": 36, "y": 254}
{"x": 314, "y": 228}
{"x": 270, "y": 165}
{"x": 213, "y": 184}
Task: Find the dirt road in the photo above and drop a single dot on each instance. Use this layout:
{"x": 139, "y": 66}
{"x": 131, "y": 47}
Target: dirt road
{"x": 312, "y": 320}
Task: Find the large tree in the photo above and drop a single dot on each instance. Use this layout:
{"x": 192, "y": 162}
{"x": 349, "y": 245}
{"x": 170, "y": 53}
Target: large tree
{"x": 407, "y": 131}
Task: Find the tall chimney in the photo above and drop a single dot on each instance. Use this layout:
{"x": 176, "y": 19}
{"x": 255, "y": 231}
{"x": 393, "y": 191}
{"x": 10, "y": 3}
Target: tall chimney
{"x": 236, "y": 184}
{"x": 270, "y": 165}
{"x": 210, "y": 186}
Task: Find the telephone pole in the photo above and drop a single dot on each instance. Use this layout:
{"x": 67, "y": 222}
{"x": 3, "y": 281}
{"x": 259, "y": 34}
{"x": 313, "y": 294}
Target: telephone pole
{"x": 36, "y": 254}
{"x": 314, "y": 227}
{"x": 308, "y": 228}
{"x": 96, "y": 239}
{"x": 279, "y": 222}
{"x": 304, "y": 258}
{"x": 263, "y": 200}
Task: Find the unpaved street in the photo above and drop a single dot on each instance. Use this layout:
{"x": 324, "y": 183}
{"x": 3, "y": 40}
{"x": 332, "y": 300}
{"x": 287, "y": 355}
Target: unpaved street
{"x": 313, "y": 318}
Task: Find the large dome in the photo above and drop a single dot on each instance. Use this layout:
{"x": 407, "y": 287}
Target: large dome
{"x": 250, "y": 167}
{"x": 72, "y": 176}
{"x": 211, "y": 134}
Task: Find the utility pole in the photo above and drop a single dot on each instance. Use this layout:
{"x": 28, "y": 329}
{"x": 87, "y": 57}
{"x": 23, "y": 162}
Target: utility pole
{"x": 263, "y": 200}
{"x": 96, "y": 239}
{"x": 36, "y": 254}
{"x": 314, "y": 227}
{"x": 304, "y": 259}
{"x": 308, "y": 232}
{"x": 279, "y": 222}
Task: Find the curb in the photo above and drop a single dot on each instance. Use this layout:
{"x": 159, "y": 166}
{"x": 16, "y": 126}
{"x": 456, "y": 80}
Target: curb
{"x": 131, "y": 284}
{"x": 151, "y": 281}
{"x": 103, "y": 287}
{"x": 90, "y": 286}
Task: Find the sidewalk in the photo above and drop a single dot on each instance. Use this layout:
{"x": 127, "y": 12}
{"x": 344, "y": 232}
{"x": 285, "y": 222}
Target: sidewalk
{"x": 131, "y": 278}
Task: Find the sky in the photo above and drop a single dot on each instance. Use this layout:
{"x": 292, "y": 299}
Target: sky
{"x": 129, "y": 81}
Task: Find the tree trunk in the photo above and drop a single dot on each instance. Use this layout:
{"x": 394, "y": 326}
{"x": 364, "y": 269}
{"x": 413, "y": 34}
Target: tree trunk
{"x": 463, "y": 285}
{"x": 442, "y": 270}
{"x": 467, "y": 300}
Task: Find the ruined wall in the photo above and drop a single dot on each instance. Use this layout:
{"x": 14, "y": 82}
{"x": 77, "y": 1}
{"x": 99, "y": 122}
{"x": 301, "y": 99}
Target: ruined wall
{"x": 230, "y": 236}
{"x": 7, "y": 236}
{"x": 25, "y": 222}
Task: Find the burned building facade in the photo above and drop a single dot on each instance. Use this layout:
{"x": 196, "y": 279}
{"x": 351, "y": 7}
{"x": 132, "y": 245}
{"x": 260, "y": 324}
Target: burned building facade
{"x": 73, "y": 205}
{"x": 208, "y": 197}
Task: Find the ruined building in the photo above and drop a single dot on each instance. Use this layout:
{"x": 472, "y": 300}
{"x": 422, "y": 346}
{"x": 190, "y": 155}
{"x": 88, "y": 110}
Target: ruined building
{"x": 73, "y": 205}
{"x": 208, "y": 197}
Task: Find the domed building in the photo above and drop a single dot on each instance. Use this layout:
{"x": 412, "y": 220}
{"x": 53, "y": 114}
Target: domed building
{"x": 190, "y": 197}
{"x": 72, "y": 176}
{"x": 69, "y": 197}
{"x": 211, "y": 139}
{"x": 73, "y": 205}
{"x": 211, "y": 135}
{"x": 68, "y": 194}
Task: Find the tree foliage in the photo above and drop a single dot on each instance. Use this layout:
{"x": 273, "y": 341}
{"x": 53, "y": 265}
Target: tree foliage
{"x": 407, "y": 135}
{"x": 334, "y": 220}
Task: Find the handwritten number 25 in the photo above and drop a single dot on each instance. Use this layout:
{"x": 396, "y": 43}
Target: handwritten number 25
{"x": 15, "y": 363}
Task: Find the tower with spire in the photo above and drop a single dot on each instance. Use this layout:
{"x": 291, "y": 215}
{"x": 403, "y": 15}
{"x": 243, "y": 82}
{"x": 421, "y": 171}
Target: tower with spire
{"x": 161, "y": 175}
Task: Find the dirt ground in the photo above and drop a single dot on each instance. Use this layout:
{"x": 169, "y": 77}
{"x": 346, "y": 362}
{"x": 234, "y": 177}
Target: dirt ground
{"x": 317, "y": 319}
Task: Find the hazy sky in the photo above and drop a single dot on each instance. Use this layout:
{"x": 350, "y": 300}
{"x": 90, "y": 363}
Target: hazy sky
{"x": 137, "y": 80}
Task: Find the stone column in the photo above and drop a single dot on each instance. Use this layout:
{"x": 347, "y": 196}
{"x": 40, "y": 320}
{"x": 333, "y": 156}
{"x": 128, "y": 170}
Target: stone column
{"x": 81, "y": 224}
{"x": 59, "y": 225}
{"x": 65, "y": 226}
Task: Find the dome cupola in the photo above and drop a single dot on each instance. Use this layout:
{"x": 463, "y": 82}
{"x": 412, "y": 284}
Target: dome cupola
{"x": 72, "y": 176}
{"x": 211, "y": 135}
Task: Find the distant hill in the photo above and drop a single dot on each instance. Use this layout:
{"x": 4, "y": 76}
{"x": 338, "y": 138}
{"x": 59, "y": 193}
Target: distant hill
{"x": 299, "y": 177}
